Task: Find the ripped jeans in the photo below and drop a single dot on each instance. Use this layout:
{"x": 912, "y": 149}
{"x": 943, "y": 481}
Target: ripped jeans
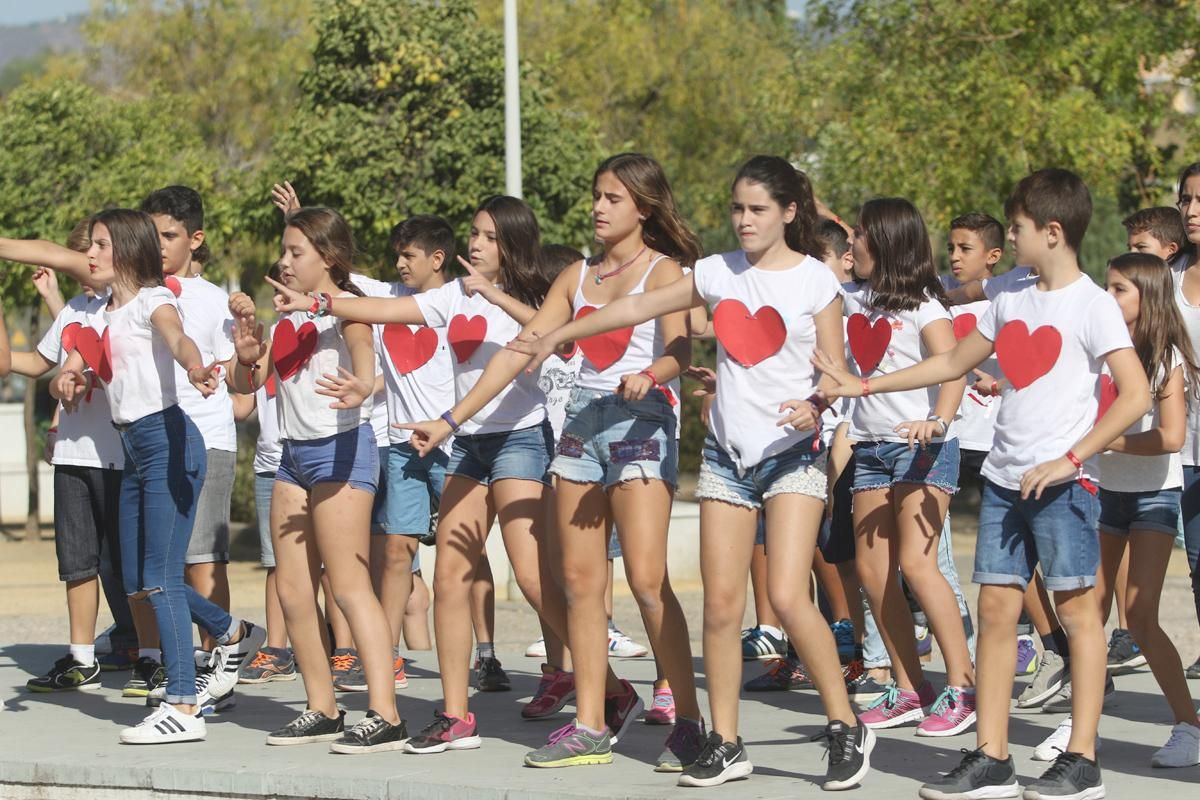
{"x": 165, "y": 462}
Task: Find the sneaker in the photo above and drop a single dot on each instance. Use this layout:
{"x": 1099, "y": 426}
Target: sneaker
{"x": 1181, "y": 750}
{"x": 103, "y": 641}
{"x": 843, "y": 634}
{"x": 1027, "y": 655}
{"x": 1070, "y": 776}
{"x": 849, "y": 754}
{"x": 782, "y": 675}
{"x": 978, "y": 775}
{"x": 401, "y": 677}
{"x": 228, "y": 660}
{"x": 537, "y": 649}
{"x": 864, "y": 688}
{"x": 1052, "y": 673}
{"x": 1193, "y": 671}
{"x": 372, "y": 734}
{"x": 148, "y": 674}
{"x": 898, "y": 706}
{"x": 852, "y": 670}
{"x": 1061, "y": 702}
{"x": 1057, "y": 742}
{"x": 311, "y": 726}
{"x": 445, "y": 733}
{"x": 490, "y": 676}
{"x": 341, "y": 662}
{"x": 758, "y": 645}
{"x": 621, "y": 646}
{"x": 1124, "y": 655}
{"x": 682, "y": 747}
{"x": 117, "y": 660}
{"x": 270, "y": 664}
{"x": 718, "y": 762}
{"x": 555, "y": 689}
{"x": 662, "y": 707}
{"x": 67, "y": 675}
{"x": 952, "y": 714}
{"x": 353, "y": 679}
{"x": 620, "y": 710}
{"x": 165, "y": 724}
{"x": 571, "y": 747}
{"x": 924, "y": 642}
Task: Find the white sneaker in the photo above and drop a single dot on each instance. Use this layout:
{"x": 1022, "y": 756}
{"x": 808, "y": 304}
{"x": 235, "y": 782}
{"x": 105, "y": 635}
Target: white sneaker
{"x": 537, "y": 649}
{"x": 1181, "y": 750}
{"x": 1055, "y": 744}
{"x": 165, "y": 724}
{"x": 228, "y": 661}
{"x": 621, "y": 646}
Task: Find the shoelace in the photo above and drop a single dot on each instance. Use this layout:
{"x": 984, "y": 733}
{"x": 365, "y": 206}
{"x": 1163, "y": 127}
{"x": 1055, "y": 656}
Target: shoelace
{"x": 440, "y": 725}
{"x": 836, "y": 743}
{"x": 304, "y": 720}
{"x": 342, "y": 663}
{"x": 889, "y": 698}
{"x": 946, "y": 701}
{"x": 967, "y": 763}
{"x": 709, "y": 755}
{"x": 262, "y": 659}
{"x": 367, "y": 726}
{"x": 1063, "y": 763}
{"x": 562, "y": 733}
{"x": 663, "y": 699}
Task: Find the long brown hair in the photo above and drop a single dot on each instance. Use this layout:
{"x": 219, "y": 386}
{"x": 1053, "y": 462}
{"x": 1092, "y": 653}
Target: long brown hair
{"x": 905, "y": 275}
{"x": 136, "y": 249}
{"x": 329, "y": 234}
{"x": 519, "y": 241}
{"x": 1159, "y": 330}
{"x": 664, "y": 228}
{"x": 787, "y": 185}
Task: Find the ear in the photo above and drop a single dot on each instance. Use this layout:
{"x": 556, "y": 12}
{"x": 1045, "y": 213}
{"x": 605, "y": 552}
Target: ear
{"x": 993, "y": 257}
{"x": 197, "y": 240}
{"x": 439, "y": 260}
{"x": 1054, "y": 233}
{"x": 789, "y": 214}
{"x": 1172, "y": 249}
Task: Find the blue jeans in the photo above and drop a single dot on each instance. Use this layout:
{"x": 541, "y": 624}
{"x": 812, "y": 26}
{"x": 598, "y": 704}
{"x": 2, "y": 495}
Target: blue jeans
{"x": 165, "y": 464}
{"x": 1191, "y": 528}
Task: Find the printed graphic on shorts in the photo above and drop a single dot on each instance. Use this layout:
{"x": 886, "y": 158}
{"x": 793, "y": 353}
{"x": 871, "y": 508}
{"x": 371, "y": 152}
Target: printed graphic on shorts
{"x": 603, "y": 349}
{"x": 1024, "y": 357}
{"x": 408, "y": 350}
{"x": 634, "y": 450}
{"x": 868, "y": 343}
{"x": 748, "y": 338}
{"x": 570, "y": 446}
{"x": 465, "y": 335}
{"x": 291, "y": 348}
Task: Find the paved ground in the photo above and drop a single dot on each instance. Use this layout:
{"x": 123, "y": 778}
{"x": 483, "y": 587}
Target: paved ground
{"x": 65, "y": 746}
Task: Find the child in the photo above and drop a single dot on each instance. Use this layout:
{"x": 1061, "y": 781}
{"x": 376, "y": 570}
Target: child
{"x": 1051, "y": 337}
{"x": 1157, "y": 231}
{"x": 135, "y": 363}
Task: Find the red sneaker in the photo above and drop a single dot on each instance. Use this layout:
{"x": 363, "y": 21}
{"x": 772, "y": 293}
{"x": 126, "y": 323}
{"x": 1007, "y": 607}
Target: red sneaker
{"x": 555, "y": 689}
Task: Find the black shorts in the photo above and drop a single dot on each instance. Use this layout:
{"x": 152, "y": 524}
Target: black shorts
{"x": 836, "y": 538}
{"x": 86, "y": 520}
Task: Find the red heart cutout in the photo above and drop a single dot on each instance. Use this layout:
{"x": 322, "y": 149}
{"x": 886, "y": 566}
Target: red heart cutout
{"x": 603, "y": 349}
{"x": 465, "y": 335}
{"x": 69, "y": 334}
{"x": 868, "y": 342}
{"x": 748, "y": 338}
{"x": 963, "y": 325}
{"x": 408, "y": 350}
{"x": 1108, "y": 393}
{"x": 272, "y": 386}
{"x": 172, "y": 283}
{"x": 1025, "y": 357}
{"x": 96, "y": 351}
{"x": 291, "y": 348}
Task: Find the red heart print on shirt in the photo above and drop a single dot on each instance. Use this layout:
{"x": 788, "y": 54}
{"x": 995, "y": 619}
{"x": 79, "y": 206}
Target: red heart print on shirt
{"x": 603, "y": 349}
{"x": 271, "y": 386}
{"x": 1024, "y": 357}
{"x": 963, "y": 325}
{"x": 291, "y": 348}
{"x": 465, "y": 335}
{"x": 868, "y": 342}
{"x": 96, "y": 351}
{"x": 748, "y": 338}
{"x": 408, "y": 350}
{"x": 69, "y": 334}
{"x": 172, "y": 283}
{"x": 1108, "y": 394}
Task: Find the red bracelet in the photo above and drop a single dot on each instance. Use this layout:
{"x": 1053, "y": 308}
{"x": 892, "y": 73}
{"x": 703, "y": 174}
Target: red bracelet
{"x": 1079, "y": 476}
{"x": 1074, "y": 459}
{"x": 866, "y": 387}
{"x": 52, "y": 429}
{"x": 649, "y": 374}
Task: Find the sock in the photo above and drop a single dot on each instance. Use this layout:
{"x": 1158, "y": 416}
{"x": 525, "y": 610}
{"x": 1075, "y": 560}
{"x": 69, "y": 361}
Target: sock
{"x": 84, "y": 653}
{"x": 595, "y": 734}
{"x": 150, "y": 652}
{"x": 485, "y": 650}
{"x": 771, "y": 629}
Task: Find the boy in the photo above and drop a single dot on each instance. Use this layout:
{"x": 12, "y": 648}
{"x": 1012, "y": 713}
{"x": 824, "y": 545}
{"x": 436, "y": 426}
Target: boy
{"x": 1051, "y": 335}
{"x": 1158, "y": 231}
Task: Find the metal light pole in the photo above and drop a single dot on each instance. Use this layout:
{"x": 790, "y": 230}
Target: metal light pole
{"x": 512, "y": 103}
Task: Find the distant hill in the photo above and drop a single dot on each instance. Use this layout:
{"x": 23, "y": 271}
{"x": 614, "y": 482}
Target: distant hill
{"x": 19, "y": 42}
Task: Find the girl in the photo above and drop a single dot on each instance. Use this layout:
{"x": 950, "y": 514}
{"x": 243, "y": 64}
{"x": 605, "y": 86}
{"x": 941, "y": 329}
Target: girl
{"x": 896, "y": 317}
{"x": 498, "y": 463}
{"x": 326, "y": 480}
{"x": 134, "y": 358}
{"x": 771, "y": 305}
{"x": 1141, "y": 479}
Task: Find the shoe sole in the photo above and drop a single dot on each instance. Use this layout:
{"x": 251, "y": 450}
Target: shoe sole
{"x": 864, "y": 697}
{"x": 654, "y": 720}
{"x": 465, "y": 743}
{"x": 186, "y": 736}
{"x": 635, "y": 654}
{"x": 135, "y": 693}
{"x": 401, "y": 683}
{"x": 83, "y": 687}
{"x": 1042, "y": 697}
{"x": 357, "y": 750}
{"x": 574, "y": 761}
{"x": 287, "y": 741}
{"x": 567, "y": 698}
{"x": 958, "y": 729}
{"x": 350, "y": 687}
{"x": 630, "y": 718}
{"x": 907, "y": 718}
{"x": 278, "y": 676}
{"x": 1122, "y": 667}
{"x": 1094, "y": 793}
{"x": 856, "y": 778}
{"x": 983, "y": 793}
{"x": 734, "y": 772}
{"x": 535, "y": 653}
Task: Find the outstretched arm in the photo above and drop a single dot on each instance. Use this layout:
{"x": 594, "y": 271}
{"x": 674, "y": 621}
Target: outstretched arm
{"x": 41, "y": 253}
{"x": 948, "y": 366}
{"x": 166, "y": 321}
{"x": 375, "y": 310}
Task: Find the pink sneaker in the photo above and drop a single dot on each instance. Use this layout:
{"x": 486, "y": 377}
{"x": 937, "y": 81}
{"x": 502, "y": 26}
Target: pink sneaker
{"x": 897, "y": 707}
{"x": 555, "y": 689}
{"x": 662, "y": 709}
{"x": 445, "y": 733}
{"x": 952, "y": 714}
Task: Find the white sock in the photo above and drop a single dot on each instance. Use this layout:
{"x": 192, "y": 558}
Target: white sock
{"x": 84, "y": 653}
{"x": 771, "y": 629}
{"x": 150, "y": 652}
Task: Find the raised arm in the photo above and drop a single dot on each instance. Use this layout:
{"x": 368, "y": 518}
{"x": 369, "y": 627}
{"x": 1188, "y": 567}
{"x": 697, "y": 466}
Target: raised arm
{"x": 374, "y": 310}
{"x": 166, "y": 321}
{"x": 41, "y": 253}
{"x": 475, "y": 283}
{"x": 46, "y": 284}
{"x": 251, "y": 364}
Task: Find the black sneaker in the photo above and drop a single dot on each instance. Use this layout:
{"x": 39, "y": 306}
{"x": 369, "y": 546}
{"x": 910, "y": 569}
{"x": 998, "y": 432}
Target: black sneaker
{"x": 849, "y": 754}
{"x": 67, "y": 675}
{"x": 718, "y": 762}
{"x": 147, "y": 675}
{"x": 311, "y": 726}
{"x": 490, "y": 676}
{"x": 353, "y": 680}
{"x": 372, "y": 734}
{"x": 1071, "y": 775}
{"x": 977, "y": 775}
{"x": 1124, "y": 655}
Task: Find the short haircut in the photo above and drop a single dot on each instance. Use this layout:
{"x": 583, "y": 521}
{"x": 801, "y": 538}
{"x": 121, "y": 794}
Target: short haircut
{"x": 1161, "y": 222}
{"x": 833, "y": 237}
{"x": 426, "y": 231}
{"x": 178, "y": 202}
{"x": 557, "y": 257}
{"x": 985, "y": 226}
{"x": 1054, "y": 195}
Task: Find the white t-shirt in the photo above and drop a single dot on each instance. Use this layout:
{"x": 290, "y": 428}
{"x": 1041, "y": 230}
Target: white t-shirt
{"x": 476, "y": 330}
{"x": 976, "y": 421}
{"x": 269, "y": 449}
{"x": 86, "y": 437}
{"x": 304, "y": 349}
{"x": 135, "y": 361}
{"x": 1124, "y": 472}
{"x": 1051, "y": 346}
{"x": 763, "y": 321}
{"x": 557, "y": 379}
{"x": 208, "y": 322}
{"x": 887, "y": 341}
{"x": 1014, "y": 280}
{"x": 1191, "y": 319}
{"x": 379, "y": 408}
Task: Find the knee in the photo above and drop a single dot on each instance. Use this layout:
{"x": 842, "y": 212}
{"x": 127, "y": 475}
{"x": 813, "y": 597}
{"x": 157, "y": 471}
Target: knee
{"x": 583, "y": 582}
{"x": 722, "y": 612}
{"x": 648, "y": 590}
{"x": 397, "y": 559}
{"x": 994, "y": 614}
{"x": 1143, "y": 620}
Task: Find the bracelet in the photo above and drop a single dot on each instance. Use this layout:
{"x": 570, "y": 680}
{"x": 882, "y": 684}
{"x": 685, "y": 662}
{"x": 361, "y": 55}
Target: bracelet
{"x": 250, "y": 365}
{"x": 1087, "y": 485}
{"x": 995, "y": 388}
{"x": 819, "y": 402}
{"x": 1074, "y": 459}
{"x": 324, "y": 303}
{"x": 52, "y": 429}
{"x": 649, "y": 374}
{"x": 866, "y": 387}
{"x": 315, "y": 307}
{"x": 193, "y": 369}
{"x": 941, "y": 422}
{"x": 448, "y": 418}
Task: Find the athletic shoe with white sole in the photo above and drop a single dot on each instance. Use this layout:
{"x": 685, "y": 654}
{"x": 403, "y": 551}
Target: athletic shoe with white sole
{"x": 718, "y": 762}
{"x": 1181, "y": 750}
{"x": 1071, "y": 776}
{"x": 1061, "y": 702}
{"x": 849, "y": 754}
{"x": 445, "y": 733}
{"x": 977, "y": 776}
{"x": 311, "y": 726}
{"x": 537, "y": 649}
{"x": 759, "y": 645}
{"x": 621, "y": 646}
{"x": 372, "y": 734}
{"x": 953, "y": 713}
{"x": 165, "y": 724}
{"x": 1124, "y": 655}
{"x": 67, "y": 675}
{"x": 1052, "y": 672}
{"x": 571, "y": 747}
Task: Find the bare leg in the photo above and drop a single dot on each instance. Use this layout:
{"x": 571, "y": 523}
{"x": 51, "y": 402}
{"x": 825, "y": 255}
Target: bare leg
{"x": 416, "y": 616}
{"x": 999, "y": 610}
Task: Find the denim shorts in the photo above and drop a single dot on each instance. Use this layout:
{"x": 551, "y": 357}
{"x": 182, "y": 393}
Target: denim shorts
{"x": 86, "y": 520}
{"x": 614, "y": 544}
{"x": 347, "y": 457}
{"x": 379, "y": 506}
{"x": 523, "y": 454}
{"x": 798, "y": 470}
{"x": 607, "y": 439}
{"x": 1147, "y": 511}
{"x": 1058, "y": 531}
{"x": 264, "y": 484}
{"x": 414, "y": 489}
{"x": 880, "y": 465}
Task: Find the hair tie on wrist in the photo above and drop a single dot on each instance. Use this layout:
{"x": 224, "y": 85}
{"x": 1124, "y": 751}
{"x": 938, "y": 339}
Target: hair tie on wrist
{"x": 448, "y": 418}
